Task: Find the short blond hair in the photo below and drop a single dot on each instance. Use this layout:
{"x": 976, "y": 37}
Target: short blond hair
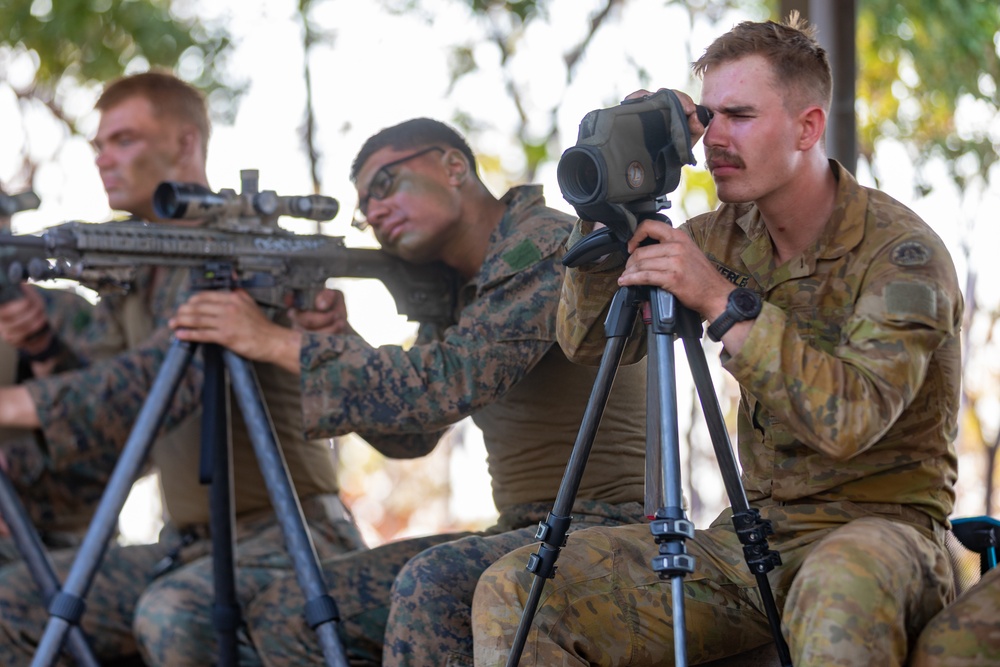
{"x": 799, "y": 63}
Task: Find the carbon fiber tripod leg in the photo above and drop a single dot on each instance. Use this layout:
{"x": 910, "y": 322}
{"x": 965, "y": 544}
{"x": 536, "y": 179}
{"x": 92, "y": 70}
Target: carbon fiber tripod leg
{"x": 321, "y": 610}
{"x": 67, "y": 606}
{"x": 552, "y": 531}
{"x": 216, "y": 453}
{"x": 39, "y": 564}
{"x": 670, "y": 526}
{"x": 750, "y": 528}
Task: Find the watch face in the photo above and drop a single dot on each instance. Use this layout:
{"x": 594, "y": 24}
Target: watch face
{"x": 746, "y": 302}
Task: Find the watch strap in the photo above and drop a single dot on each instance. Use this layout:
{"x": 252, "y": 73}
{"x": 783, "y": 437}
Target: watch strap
{"x": 722, "y": 324}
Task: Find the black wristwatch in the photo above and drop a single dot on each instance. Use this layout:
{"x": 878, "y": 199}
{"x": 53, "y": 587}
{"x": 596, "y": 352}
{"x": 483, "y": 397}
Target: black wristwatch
{"x": 744, "y": 304}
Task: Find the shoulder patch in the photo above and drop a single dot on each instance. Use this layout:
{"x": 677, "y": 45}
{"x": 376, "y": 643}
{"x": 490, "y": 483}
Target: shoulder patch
{"x": 910, "y": 253}
{"x": 909, "y": 299}
{"x": 523, "y": 255}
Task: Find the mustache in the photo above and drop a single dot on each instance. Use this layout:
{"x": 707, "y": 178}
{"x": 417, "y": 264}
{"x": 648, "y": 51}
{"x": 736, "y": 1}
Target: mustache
{"x": 718, "y": 156}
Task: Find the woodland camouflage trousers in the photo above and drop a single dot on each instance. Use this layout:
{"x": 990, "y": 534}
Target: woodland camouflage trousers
{"x": 412, "y": 596}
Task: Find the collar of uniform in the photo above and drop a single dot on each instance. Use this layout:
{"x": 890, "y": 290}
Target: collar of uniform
{"x": 843, "y": 231}
{"x": 846, "y": 226}
{"x": 528, "y": 232}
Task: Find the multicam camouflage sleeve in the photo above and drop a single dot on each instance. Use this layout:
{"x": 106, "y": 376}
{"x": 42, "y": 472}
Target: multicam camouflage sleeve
{"x": 840, "y": 391}
{"x": 584, "y": 303}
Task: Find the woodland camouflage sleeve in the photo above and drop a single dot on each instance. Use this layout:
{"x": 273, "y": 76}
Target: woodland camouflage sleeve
{"x": 347, "y": 385}
{"x": 97, "y": 406}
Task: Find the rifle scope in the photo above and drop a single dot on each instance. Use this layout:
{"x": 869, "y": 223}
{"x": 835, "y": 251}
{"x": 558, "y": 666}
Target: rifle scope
{"x": 191, "y": 200}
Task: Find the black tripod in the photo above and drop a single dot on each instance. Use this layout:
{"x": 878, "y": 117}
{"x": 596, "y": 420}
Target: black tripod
{"x": 664, "y": 319}
{"x": 38, "y": 562}
{"x": 67, "y": 606}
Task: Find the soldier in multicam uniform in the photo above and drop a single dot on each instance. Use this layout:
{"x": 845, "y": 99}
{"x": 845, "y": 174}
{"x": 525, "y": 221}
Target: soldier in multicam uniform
{"x": 154, "y": 127}
{"x": 966, "y": 633}
{"x": 849, "y": 378}
{"x": 419, "y": 190}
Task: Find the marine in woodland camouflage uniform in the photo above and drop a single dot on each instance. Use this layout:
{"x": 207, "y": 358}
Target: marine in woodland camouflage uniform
{"x": 499, "y": 364}
{"x": 849, "y": 383}
{"x": 59, "y": 505}
{"x": 95, "y": 408}
{"x": 967, "y": 632}
{"x": 165, "y": 589}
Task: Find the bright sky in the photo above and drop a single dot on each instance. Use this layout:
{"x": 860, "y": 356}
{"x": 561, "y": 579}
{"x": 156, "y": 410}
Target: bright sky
{"x": 385, "y": 68}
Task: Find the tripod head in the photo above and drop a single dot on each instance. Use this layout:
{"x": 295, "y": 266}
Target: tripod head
{"x": 604, "y": 241}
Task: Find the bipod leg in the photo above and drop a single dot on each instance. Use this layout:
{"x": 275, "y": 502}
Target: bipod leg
{"x": 67, "y": 606}
{"x": 670, "y": 526}
{"x": 216, "y": 453}
{"x": 321, "y": 611}
{"x": 39, "y": 563}
{"x": 552, "y": 531}
{"x": 750, "y": 528}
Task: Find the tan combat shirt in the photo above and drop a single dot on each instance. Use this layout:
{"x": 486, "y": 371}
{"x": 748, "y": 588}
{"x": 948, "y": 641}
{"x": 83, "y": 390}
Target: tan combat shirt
{"x": 850, "y": 375}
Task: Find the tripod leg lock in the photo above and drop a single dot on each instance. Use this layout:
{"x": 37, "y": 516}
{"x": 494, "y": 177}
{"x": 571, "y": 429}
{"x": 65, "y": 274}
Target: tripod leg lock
{"x": 670, "y": 533}
{"x": 552, "y": 533}
{"x": 750, "y": 528}
{"x": 553, "y": 530}
{"x": 67, "y": 607}
{"x": 752, "y": 532}
{"x": 543, "y": 563}
{"x": 761, "y": 559}
{"x": 671, "y": 529}
{"x": 320, "y": 610}
{"x": 672, "y": 565}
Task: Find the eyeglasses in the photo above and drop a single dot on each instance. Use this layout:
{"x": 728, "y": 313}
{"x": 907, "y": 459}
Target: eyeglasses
{"x": 381, "y": 186}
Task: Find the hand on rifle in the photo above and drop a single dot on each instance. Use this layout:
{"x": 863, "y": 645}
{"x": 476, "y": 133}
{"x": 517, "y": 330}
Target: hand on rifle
{"x": 235, "y": 321}
{"x": 329, "y": 315}
{"x": 24, "y": 323}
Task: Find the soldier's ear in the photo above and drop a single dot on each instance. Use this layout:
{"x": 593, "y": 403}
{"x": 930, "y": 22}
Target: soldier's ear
{"x": 189, "y": 141}
{"x": 456, "y": 165}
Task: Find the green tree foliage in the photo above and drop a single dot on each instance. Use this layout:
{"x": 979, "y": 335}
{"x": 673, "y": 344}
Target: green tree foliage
{"x": 505, "y": 24}
{"x": 74, "y": 45}
{"x": 920, "y": 63}
{"x": 929, "y": 71}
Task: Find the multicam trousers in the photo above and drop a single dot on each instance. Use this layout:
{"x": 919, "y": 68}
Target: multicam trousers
{"x": 967, "y": 633}
{"x": 413, "y": 596}
{"x": 855, "y": 588}
{"x": 171, "y": 613}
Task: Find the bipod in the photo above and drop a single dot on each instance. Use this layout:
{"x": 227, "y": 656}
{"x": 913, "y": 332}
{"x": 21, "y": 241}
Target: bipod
{"x": 665, "y": 319}
{"x": 67, "y": 606}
